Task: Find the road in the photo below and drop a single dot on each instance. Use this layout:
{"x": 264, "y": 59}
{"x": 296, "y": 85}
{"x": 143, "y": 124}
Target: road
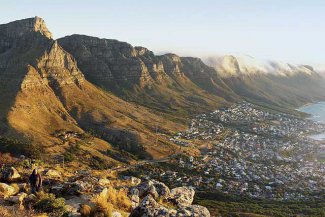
{"x": 140, "y": 163}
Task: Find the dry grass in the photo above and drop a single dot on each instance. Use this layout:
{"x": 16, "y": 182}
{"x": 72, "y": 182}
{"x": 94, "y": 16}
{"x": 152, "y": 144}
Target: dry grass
{"x": 85, "y": 210}
{"x": 112, "y": 198}
{"x": 15, "y": 212}
{"x": 15, "y": 186}
{"x": 4, "y": 212}
{"x": 6, "y": 158}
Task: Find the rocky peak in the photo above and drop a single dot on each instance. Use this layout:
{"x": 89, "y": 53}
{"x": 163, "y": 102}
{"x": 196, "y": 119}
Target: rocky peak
{"x": 20, "y": 27}
{"x": 142, "y": 51}
{"x": 59, "y": 66}
{"x": 172, "y": 64}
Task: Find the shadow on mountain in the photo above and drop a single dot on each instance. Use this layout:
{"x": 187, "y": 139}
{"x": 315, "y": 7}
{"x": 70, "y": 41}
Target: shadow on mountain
{"x": 16, "y": 54}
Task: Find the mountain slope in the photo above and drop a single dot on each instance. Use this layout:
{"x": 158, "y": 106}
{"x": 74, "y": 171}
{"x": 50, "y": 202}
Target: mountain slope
{"x": 167, "y": 83}
{"x": 122, "y": 94}
{"x": 270, "y": 82}
{"x": 45, "y": 92}
{"x": 183, "y": 85}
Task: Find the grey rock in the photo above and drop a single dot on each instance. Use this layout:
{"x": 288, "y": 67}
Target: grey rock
{"x": 10, "y": 174}
{"x": 153, "y": 187}
{"x": 182, "y": 196}
{"x": 7, "y": 190}
{"x": 116, "y": 214}
{"x": 149, "y": 208}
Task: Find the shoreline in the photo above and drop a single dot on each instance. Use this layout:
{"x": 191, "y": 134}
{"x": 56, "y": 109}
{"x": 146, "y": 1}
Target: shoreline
{"x": 308, "y": 104}
{"x": 316, "y": 118}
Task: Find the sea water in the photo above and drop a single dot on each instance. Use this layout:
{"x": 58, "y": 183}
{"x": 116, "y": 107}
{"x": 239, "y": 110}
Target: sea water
{"x": 317, "y": 112}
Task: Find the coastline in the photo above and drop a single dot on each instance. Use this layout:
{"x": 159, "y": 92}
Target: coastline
{"x": 315, "y": 117}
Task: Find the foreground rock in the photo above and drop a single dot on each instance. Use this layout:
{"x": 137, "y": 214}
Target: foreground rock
{"x": 53, "y": 174}
{"x": 149, "y": 207}
{"x": 195, "y": 211}
{"x": 10, "y": 174}
{"x": 154, "y": 188}
{"x": 18, "y": 199}
{"x": 7, "y": 190}
{"x": 182, "y": 196}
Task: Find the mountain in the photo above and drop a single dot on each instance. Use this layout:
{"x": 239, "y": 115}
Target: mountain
{"x": 187, "y": 85}
{"x": 272, "y": 82}
{"x": 127, "y": 99}
{"x": 44, "y": 92}
{"x": 168, "y": 83}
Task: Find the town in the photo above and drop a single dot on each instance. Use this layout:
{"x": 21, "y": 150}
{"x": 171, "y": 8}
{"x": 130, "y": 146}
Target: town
{"x": 252, "y": 152}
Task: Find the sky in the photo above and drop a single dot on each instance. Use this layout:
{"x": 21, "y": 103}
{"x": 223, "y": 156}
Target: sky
{"x": 285, "y": 30}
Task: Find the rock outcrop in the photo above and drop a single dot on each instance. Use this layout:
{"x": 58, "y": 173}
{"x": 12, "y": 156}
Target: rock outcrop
{"x": 182, "y": 196}
{"x": 168, "y": 81}
{"x": 10, "y": 174}
{"x": 154, "y": 188}
{"x": 137, "y": 73}
{"x": 151, "y": 191}
{"x": 7, "y": 190}
{"x": 150, "y": 208}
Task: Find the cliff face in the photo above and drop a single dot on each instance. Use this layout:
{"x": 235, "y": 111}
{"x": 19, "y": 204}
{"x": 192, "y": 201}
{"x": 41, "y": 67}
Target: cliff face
{"x": 167, "y": 82}
{"x": 44, "y": 91}
{"x": 187, "y": 85}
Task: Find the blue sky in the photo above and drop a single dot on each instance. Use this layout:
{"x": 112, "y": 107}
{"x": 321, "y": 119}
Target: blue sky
{"x": 287, "y": 30}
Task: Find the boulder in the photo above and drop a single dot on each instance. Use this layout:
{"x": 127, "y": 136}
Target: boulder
{"x": 153, "y": 187}
{"x": 7, "y": 190}
{"x": 134, "y": 196}
{"x": 10, "y": 174}
{"x": 134, "y": 191}
{"x": 83, "y": 186}
{"x": 116, "y": 214}
{"x": 53, "y": 174}
{"x": 194, "y": 211}
{"x": 146, "y": 188}
{"x": 182, "y": 196}
{"x": 57, "y": 189}
{"x": 104, "y": 182}
{"x": 162, "y": 189}
{"x": 30, "y": 200}
{"x": 149, "y": 207}
{"x": 199, "y": 211}
{"x": 18, "y": 199}
{"x": 133, "y": 180}
{"x": 73, "y": 188}
{"x": 135, "y": 200}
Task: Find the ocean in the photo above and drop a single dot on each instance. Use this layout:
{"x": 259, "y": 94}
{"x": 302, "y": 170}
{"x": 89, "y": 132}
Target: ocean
{"x": 317, "y": 110}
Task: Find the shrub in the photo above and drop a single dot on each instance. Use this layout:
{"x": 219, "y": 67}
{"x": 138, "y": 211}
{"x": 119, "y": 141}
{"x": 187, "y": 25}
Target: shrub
{"x": 85, "y": 210}
{"x": 4, "y": 212}
{"x": 6, "y": 158}
{"x": 111, "y": 198}
{"x": 49, "y": 204}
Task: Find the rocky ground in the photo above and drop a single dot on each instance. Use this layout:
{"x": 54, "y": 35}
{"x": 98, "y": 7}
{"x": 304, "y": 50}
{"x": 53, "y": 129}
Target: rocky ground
{"x": 92, "y": 193}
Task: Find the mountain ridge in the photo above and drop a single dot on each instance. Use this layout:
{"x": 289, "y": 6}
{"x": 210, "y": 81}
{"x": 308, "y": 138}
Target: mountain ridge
{"x": 47, "y": 92}
{"x": 119, "y": 92}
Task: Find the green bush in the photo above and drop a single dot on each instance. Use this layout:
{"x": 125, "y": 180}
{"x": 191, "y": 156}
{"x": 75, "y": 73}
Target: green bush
{"x": 49, "y": 204}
